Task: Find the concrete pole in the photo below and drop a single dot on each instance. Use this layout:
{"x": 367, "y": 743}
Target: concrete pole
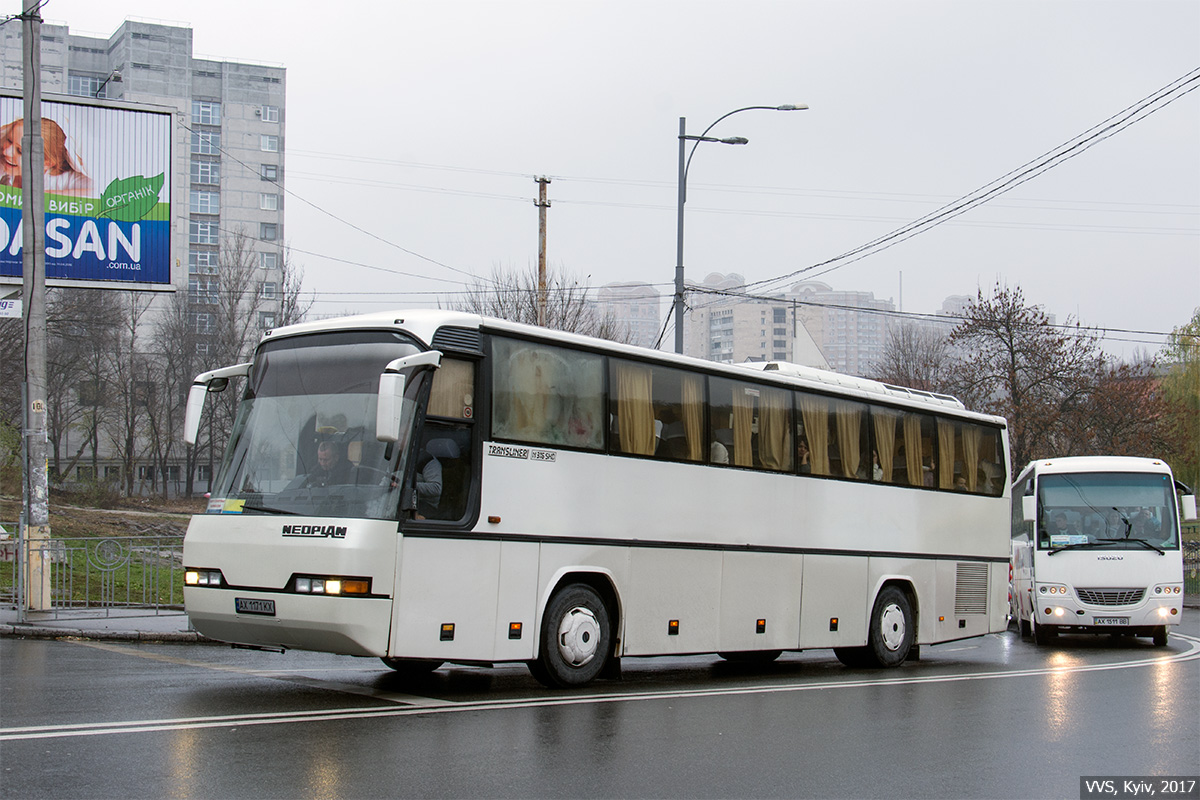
{"x": 678, "y": 313}
{"x": 33, "y": 244}
{"x": 542, "y": 205}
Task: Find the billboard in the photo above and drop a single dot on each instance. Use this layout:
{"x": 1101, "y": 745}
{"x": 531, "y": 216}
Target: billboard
{"x": 108, "y": 193}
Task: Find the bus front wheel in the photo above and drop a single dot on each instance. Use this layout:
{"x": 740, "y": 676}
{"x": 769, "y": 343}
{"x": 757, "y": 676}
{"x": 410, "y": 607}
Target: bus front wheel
{"x": 1042, "y": 634}
{"x": 576, "y": 638}
{"x": 892, "y": 628}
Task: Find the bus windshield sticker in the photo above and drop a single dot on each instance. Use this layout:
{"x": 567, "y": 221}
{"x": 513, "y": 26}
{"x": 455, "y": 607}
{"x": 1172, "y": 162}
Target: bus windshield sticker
{"x": 1068, "y": 539}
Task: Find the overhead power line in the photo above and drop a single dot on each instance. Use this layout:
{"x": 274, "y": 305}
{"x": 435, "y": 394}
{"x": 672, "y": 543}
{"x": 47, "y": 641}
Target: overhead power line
{"x": 1118, "y": 122}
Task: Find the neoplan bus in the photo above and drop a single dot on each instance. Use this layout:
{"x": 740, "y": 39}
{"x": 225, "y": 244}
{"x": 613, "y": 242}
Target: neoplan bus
{"x": 1096, "y": 547}
{"x": 514, "y": 494}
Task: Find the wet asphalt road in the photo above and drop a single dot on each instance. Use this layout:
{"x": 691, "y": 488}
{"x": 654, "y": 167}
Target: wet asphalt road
{"x": 990, "y": 717}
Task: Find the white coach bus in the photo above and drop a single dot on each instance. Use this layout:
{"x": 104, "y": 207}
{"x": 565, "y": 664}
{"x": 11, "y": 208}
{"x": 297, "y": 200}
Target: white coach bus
{"x": 429, "y": 487}
{"x": 1096, "y": 547}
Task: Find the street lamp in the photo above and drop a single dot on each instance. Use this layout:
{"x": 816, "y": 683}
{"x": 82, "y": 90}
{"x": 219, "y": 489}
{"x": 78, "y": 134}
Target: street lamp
{"x": 684, "y": 163}
{"x": 114, "y": 76}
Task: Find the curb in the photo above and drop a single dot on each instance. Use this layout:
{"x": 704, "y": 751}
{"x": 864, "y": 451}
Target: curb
{"x": 41, "y": 632}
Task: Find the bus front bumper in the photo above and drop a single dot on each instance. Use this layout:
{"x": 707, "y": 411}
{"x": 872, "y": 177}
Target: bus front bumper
{"x": 1138, "y": 620}
{"x": 356, "y": 626}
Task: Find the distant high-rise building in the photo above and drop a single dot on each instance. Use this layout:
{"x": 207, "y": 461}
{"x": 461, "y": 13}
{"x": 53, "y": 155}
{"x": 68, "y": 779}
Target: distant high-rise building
{"x": 636, "y": 307}
{"x": 227, "y": 160}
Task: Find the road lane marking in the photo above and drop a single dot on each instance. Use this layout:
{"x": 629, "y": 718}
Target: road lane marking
{"x": 447, "y": 706}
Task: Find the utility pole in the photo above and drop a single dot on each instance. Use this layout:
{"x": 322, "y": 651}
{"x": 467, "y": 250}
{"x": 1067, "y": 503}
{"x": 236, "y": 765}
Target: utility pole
{"x": 35, "y": 526}
{"x": 542, "y": 204}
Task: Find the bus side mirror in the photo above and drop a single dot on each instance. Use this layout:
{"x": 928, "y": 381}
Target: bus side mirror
{"x": 1029, "y": 507}
{"x": 389, "y": 404}
{"x": 1188, "y": 507}
{"x": 215, "y": 381}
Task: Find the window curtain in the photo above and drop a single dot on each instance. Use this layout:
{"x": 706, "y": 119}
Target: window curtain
{"x": 849, "y": 425}
{"x": 815, "y": 411}
{"x": 885, "y": 440}
{"x": 635, "y": 412}
{"x": 693, "y": 420}
{"x": 971, "y": 438}
{"x": 945, "y": 453}
{"x": 743, "y": 420}
{"x": 453, "y": 388}
{"x": 774, "y": 430}
{"x": 912, "y": 449}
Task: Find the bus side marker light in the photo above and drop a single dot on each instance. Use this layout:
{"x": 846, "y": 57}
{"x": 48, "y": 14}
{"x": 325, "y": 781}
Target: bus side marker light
{"x": 962, "y": 623}
{"x": 833, "y": 622}
{"x": 447, "y": 632}
{"x": 941, "y": 619}
{"x": 493, "y": 520}
{"x": 355, "y": 587}
{"x": 673, "y": 628}
{"x": 514, "y": 630}
{"x": 760, "y": 626}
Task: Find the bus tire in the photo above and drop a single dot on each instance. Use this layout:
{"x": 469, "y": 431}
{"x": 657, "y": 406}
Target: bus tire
{"x": 576, "y": 638}
{"x": 1023, "y": 627}
{"x": 411, "y": 667}
{"x": 1042, "y": 634}
{"x": 892, "y": 630}
{"x": 853, "y": 657}
{"x": 1160, "y": 636}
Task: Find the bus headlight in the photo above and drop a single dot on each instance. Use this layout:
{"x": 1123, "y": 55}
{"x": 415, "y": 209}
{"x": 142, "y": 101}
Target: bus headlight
{"x": 202, "y": 577}
{"x": 1050, "y": 588}
{"x": 1168, "y": 589}
{"x": 330, "y": 585}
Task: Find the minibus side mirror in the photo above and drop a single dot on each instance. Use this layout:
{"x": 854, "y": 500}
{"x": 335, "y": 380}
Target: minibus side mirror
{"x": 1187, "y": 506}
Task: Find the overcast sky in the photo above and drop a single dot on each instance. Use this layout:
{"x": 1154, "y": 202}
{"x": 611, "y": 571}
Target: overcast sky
{"x": 425, "y": 123}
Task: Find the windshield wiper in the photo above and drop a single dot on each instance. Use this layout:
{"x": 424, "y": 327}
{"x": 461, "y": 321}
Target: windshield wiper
{"x": 1142, "y": 542}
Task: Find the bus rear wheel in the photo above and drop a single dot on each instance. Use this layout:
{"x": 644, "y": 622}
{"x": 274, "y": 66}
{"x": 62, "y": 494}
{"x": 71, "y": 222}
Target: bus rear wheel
{"x": 576, "y": 638}
{"x": 892, "y": 630}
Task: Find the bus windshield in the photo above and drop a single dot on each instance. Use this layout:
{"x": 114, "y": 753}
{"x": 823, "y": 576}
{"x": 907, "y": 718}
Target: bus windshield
{"x": 1107, "y": 510}
{"x": 303, "y": 442}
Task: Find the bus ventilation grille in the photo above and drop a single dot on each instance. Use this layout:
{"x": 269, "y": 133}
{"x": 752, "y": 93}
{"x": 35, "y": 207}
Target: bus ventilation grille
{"x": 463, "y": 340}
{"x": 1110, "y": 597}
{"x": 970, "y": 588}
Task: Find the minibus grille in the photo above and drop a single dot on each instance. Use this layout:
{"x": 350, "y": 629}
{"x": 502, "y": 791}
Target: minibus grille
{"x": 970, "y": 588}
{"x": 1110, "y": 597}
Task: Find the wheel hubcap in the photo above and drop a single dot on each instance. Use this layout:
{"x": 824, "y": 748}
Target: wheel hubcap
{"x": 578, "y": 636}
{"x": 891, "y": 623}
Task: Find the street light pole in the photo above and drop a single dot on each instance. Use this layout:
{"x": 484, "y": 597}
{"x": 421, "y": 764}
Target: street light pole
{"x": 684, "y": 162}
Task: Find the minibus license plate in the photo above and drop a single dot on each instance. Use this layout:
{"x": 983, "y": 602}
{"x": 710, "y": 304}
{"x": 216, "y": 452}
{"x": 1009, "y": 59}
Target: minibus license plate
{"x": 246, "y": 605}
{"x": 1112, "y": 620}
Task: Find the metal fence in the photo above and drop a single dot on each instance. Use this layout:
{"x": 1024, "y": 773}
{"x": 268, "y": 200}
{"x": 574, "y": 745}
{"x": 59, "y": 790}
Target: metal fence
{"x": 100, "y": 574}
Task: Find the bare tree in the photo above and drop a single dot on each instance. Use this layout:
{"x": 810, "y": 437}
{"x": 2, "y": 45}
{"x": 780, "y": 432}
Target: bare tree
{"x": 512, "y": 294}
{"x": 130, "y": 387}
{"x": 293, "y": 304}
{"x": 918, "y": 357}
{"x": 1016, "y": 364}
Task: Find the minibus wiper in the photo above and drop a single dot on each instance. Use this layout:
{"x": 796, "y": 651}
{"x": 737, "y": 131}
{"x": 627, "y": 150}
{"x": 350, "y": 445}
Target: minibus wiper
{"x": 1147, "y": 543}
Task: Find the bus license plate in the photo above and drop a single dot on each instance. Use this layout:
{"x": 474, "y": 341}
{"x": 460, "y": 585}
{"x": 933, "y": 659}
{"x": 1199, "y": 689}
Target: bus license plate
{"x": 246, "y": 605}
{"x": 1112, "y": 620}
